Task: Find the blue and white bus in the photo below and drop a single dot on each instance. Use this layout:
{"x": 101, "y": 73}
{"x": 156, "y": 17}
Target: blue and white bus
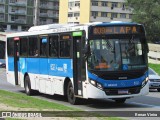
{"x": 90, "y": 61}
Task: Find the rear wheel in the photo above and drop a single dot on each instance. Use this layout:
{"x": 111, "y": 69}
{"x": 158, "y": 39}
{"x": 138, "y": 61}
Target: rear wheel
{"x": 70, "y": 94}
{"x": 120, "y": 101}
{"x": 27, "y": 86}
{"x": 158, "y": 89}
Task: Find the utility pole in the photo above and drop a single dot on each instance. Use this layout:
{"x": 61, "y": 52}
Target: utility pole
{"x": 36, "y": 12}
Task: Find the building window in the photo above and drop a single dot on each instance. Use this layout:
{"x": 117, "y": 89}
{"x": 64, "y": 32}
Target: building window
{"x": 94, "y": 13}
{"x": 56, "y": 4}
{"x": 14, "y": 27}
{"x": 103, "y": 14}
{"x": 76, "y": 14}
{"x": 2, "y": 16}
{"x": 13, "y": 1}
{"x": 130, "y": 16}
{"x": 71, "y": 4}
{"x": 43, "y": 11}
{"x": 104, "y": 4}
{"x": 77, "y": 3}
{"x": 123, "y": 6}
{"x": 24, "y": 28}
{"x": 76, "y": 22}
{"x": 122, "y": 15}
{"x": 13, "y": 18}
{"x": 4, "y": 26}
{"x": 95, "y": 3}
{"x": 114, "y": 4}
{"x": 43, "y": 21}
{"x": 113, "y": 15}
{"x": 55, "y": 20}
{"x": 43, "y": 3}
{"x": 70, "y": 14}
{"x": 14, "y": 9}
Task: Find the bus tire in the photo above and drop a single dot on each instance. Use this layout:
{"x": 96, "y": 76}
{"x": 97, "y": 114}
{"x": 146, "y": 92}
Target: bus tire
{"x": 120, "y": 101}
{"x": 70, "y": 94}
{"x": 27, "y": 86}
{"x": 158, "y": 89}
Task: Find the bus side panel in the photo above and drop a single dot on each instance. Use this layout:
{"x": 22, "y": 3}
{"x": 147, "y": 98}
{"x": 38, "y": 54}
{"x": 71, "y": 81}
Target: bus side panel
{"x": 10, "y": 75}
{"x": 22, "y": 70}
{"x": 33, "y": 70}
{"x": 59, "y": 69}
{"x": 44, "y": 83}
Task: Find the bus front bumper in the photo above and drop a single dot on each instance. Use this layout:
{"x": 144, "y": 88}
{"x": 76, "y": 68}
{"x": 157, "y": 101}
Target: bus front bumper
{"x": 95, "y": 93}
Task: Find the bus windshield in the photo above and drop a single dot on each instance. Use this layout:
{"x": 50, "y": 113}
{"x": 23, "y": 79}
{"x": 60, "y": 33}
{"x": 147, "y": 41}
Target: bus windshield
{"x": 117, "y": 54}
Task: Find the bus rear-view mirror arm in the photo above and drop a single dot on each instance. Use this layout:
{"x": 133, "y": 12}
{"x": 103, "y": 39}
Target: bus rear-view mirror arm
{"x": 86, "y": 51}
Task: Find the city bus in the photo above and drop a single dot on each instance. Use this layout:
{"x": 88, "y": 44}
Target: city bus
{"x": 90, "y": 61}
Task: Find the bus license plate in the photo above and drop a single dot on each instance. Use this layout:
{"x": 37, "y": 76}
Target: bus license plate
{"x": 122, "y": 91}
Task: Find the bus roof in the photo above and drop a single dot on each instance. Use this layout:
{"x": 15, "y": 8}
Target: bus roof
{"x": 55, "y": 28}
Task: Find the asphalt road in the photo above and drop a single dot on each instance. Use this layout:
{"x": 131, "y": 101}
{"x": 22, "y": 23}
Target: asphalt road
{"x": 151, "y": 102}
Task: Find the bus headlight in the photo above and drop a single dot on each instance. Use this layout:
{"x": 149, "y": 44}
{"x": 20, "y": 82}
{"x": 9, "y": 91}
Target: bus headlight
{"x": 96, "y": 84}
{"x": 145, "y": 82}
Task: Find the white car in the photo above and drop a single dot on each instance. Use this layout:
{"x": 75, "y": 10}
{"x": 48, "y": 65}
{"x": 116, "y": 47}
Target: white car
{"x": 2, "y": 63}
{"x": 154, "y": 79}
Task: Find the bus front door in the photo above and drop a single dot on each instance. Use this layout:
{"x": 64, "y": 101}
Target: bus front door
{"x": 79, "y": 72}
{"x": 16, "y": 59}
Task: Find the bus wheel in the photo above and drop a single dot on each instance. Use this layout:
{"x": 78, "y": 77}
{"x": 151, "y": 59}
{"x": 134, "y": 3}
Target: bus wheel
{"x": 70, "y": 94}
{"x": 158, "y": 89}
{"x": 27, "y": 86}
{"x": 120, "y": 101}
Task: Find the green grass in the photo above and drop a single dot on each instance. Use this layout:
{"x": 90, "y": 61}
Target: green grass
{"x": 20, "y": 100}
{"x": 155, "y": 67}
{"x": 23, "y": 101}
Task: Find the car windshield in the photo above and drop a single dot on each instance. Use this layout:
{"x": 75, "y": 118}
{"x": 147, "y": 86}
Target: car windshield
{"x": 117, "y": 54}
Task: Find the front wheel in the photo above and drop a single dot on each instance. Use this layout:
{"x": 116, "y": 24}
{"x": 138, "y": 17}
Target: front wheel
{"x": 158, "y": 89}
{"x": 70, "y": 94}
{"x": 27, "y": 86}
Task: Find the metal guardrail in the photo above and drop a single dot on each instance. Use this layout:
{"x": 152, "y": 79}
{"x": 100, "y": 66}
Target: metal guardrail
{"x": 154, "y": 53}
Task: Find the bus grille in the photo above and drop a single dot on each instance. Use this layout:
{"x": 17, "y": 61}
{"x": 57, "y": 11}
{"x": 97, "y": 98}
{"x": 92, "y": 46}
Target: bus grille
{"x": 116, "y": 75}
{"x": 134, "y": 90}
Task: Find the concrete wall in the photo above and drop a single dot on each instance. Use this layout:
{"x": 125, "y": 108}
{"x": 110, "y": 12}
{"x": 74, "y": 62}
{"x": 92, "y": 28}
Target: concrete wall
{"x": 154, "y": 53}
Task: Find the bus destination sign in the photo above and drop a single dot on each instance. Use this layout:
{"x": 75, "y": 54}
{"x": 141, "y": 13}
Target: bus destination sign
{"x": 97, "y": 30}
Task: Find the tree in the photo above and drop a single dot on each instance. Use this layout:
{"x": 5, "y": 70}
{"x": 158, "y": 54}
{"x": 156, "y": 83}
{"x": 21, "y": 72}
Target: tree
{"x": 147, "y": 12}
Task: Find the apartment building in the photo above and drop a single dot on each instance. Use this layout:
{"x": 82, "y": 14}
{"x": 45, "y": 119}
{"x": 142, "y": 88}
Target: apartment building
{"x": 19, "y": 15}
{"x": 48, "y": 12}
{"x": 84, "y": 11}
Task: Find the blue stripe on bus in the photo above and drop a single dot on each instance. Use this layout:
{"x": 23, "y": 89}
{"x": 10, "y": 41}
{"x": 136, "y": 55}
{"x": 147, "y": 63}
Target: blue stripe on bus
{"x": 45, "y": 66}
{"x": 10, "y": 63}
{"x": 119, "y": 83}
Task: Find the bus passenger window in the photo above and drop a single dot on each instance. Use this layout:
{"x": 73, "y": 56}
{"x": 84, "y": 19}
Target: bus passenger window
{"x": 65, "y": 48}
{"x": 10, "y": 47}
{"x": 53, "y": 46}
{"x": 33, "y": 45}
{"x": 43, "y": 46}
{"x": 23, "y": 46}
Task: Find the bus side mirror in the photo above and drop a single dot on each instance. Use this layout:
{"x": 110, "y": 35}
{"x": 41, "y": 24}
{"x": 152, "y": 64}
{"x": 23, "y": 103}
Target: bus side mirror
{"x": 147, "y": 49}
{"x": 86, "y": 51}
